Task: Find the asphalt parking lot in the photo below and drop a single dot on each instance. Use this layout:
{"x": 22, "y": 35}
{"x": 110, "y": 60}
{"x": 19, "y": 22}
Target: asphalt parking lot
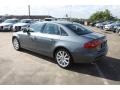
{"x": 25, "y": 67}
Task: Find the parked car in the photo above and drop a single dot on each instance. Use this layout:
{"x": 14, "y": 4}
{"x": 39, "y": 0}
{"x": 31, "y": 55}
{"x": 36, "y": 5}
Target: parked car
{"x": 23, "y": 23}
{"x": 102, "y": 25}
{"x": 66, "y": 42}
{"x": 97, "y": 25}
{"x": 112, "y": 26}
{"x": 109, "y": 26}
{"x": 116, "y": 27}
{"x": 94, "y": 23}
{"x": 8, "y": 24}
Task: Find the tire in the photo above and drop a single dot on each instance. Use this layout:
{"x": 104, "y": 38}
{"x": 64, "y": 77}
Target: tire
{"x": 16, "y": 44}
{"x": 63, "y": 58}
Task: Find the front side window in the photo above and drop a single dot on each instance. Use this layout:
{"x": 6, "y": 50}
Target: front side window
{"x": 63, "y": 33}
{"x": 51, "y": 29}
{"x": 37, "y": 27}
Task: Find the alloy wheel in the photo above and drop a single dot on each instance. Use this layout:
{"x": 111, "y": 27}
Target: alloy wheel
{"x": 63, "y": 58}
{"x": 16, "y": 44}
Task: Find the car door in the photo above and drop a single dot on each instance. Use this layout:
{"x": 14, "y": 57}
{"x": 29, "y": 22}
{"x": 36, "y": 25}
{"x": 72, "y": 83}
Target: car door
{"x": 27, "y": 40}
{"x": 47, "y": 39}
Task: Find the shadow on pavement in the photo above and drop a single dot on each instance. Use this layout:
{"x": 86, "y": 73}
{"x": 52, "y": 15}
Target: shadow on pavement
{"x": 110, "y": 67}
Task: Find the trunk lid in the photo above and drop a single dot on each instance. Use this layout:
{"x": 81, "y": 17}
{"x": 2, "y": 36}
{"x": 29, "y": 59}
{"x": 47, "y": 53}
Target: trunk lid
{"x": 97, "y": 36}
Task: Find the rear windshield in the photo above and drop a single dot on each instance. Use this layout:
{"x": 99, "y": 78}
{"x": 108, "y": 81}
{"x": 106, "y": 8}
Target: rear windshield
{"x": 78, "y": 29}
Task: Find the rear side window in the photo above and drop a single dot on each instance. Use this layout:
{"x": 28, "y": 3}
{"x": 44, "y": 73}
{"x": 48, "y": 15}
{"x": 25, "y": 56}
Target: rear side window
{"x": 63, "y": 33}
{"x": 77, "y": 28}
{"x": 37, "y": 27}
{"x": 51, "y": 29}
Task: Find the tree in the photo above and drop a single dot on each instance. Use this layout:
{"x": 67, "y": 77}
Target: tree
{"x": 101, "y": 16}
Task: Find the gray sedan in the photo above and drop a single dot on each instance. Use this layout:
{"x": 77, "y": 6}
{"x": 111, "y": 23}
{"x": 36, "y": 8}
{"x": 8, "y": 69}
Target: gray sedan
{"x": 66, "y": 42}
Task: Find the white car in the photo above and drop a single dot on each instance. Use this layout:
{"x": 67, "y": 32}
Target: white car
{"x": 8, "y": 24}
{"x": 108, "y": 27}
{"x": 23, "y": 23}
{"x": 112, "y": 27}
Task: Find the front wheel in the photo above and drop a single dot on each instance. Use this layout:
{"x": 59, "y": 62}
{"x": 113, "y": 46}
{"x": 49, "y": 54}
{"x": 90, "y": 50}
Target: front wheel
{"x": 63, "y": 58}
{"x": 16, "y": 44}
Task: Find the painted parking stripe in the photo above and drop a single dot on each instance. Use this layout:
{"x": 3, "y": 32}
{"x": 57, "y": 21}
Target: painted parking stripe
{"x": 5, "y": 76}
{"x": 101, "y": 74}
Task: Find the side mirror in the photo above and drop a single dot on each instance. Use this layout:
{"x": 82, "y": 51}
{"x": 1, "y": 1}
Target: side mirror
{"x": 27, "y": 30}
{"x": 24, "y": 30}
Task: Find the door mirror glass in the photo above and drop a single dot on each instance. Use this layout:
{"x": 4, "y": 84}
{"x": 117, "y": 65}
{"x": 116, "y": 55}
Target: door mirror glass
{"x": 25, "y": 29}
{"x": 28, "y": 30}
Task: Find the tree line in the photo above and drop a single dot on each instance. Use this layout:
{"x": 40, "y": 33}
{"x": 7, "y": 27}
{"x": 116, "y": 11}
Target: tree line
{"x": 102, "y": 16}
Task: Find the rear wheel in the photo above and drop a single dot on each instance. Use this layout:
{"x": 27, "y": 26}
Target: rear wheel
{"x": 63, "y": 58}
{"x": 16, "y": 44}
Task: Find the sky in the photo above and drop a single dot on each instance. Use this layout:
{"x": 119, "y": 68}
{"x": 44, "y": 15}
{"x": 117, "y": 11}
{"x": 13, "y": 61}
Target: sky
{"x": 59, "y": 8}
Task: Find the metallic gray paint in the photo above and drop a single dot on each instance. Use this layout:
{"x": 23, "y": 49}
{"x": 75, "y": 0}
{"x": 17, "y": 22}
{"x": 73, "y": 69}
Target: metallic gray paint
{"x": 46, "y": 44}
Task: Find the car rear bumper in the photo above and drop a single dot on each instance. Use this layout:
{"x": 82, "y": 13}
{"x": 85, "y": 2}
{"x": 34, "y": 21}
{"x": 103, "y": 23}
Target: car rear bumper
{"x": 88, "y": 58}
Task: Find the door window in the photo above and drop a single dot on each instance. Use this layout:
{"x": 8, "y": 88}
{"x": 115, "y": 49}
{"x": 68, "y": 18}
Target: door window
{"x": 51, "y": 29}
{"x": 37, "y": 27}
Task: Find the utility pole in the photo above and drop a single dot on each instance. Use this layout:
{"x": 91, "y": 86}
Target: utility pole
{"x": 29, "y": 10}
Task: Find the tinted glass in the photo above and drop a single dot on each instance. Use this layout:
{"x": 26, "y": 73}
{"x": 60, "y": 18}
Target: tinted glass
{"x": 63, "y": 33}
{"x": 78, "y": 29}
{"x": 51, "y": 29}
{"x": 37, "y": 27}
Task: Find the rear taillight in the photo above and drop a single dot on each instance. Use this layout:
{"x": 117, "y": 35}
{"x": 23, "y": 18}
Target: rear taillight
{"x": 92, "y": 44}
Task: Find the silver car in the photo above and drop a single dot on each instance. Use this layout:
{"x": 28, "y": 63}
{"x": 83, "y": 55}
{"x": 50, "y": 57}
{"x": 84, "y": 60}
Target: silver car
{"x": 66, "y": 42}
{"x": 8, "y": 24}
{"x": 22, "y": 23}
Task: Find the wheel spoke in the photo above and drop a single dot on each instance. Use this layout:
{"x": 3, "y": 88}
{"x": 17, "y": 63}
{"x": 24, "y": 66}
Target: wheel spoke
{"x": 61, "y": 53}
{"x": 67, "y": 58}
{"x": 66, "y": 61}
{"x": 65, "y": 55}
{"x": 58, "y": 57}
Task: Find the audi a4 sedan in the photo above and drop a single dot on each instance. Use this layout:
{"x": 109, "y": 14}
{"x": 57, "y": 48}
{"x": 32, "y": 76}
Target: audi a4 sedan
{"x": 66, "y": 42}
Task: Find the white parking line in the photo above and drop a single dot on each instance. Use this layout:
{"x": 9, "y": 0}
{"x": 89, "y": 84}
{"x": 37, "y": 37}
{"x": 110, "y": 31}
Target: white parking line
{"x": 5, "y": 76}
{"x": 101, "y": 74}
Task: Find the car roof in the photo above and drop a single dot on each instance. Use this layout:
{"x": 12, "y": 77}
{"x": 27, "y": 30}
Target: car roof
{"x": 56, "y": 22}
